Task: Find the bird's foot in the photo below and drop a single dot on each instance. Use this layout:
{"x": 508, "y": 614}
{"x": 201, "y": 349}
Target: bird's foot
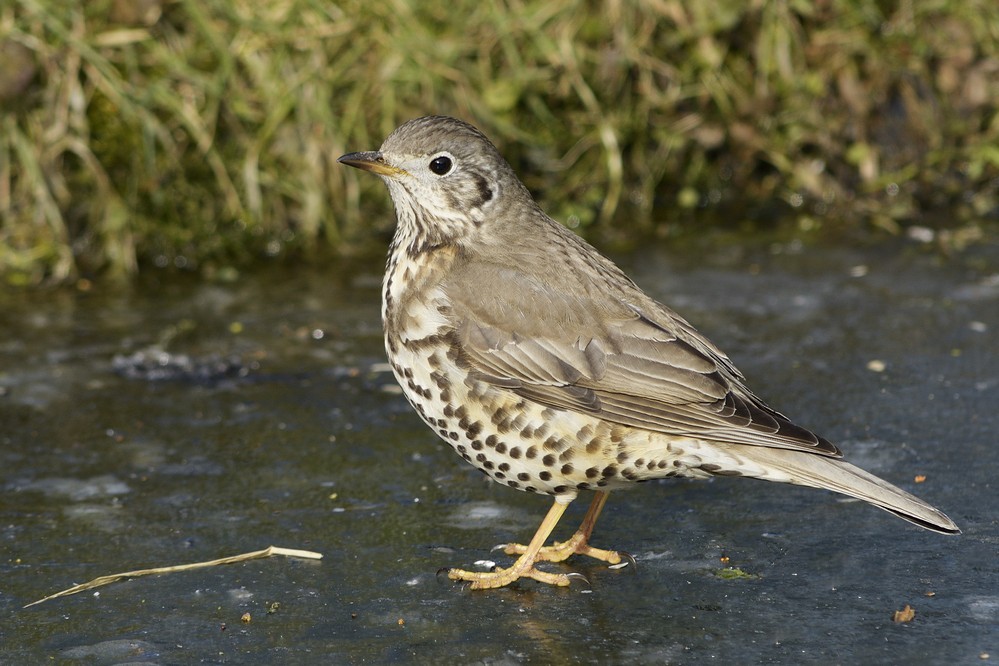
{"x": 522, "y": 568}
{"x": 561, "y": 551}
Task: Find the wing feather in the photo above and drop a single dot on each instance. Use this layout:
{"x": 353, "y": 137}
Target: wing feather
{"x": 619, "y": 356}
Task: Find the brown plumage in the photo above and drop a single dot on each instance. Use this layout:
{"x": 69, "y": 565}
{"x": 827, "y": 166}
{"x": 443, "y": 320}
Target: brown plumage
{"x": 546, "y": 367}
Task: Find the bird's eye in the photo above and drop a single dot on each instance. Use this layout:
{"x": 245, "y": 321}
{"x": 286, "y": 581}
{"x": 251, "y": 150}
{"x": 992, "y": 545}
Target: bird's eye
{"x": 440, "y": 165}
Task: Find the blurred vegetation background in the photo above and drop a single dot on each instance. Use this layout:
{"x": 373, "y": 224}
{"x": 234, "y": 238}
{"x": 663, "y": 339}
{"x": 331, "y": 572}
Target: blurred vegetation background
{"x": 202, "y": 135}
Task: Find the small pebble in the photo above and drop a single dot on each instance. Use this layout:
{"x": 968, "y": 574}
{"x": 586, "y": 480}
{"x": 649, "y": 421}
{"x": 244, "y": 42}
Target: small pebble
{"x": 876, "y": 365}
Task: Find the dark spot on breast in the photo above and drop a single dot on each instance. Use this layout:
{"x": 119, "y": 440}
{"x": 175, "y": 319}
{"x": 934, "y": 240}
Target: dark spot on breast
{"x": 622, "y": 457}
{"x": 488, "y": 464}
{"x": 592, "y": 473}
{"x": 502, "y": 424}
{"x": 481, "y": 457}
{"x": 501, "y": 448}
{"x": 491, "y": 441}
{"x": 513, "y": 484}
{"x": 554, "y": 443}
{"x": 566, "y": 469}
{"x": 530, "y": 489}
{"x": 476, "y": 445}
{"x": 515, "y": 452}
{"x": 504, "y": 467}
{"x": 473, "y": 429}
{"x": 558, "y": 490}
{"x": 419, "y": 344}
{"x": 524, "y": 476}
{"x": 593, "y": 446}
{"x": 609, "y": 471}
{"x": 532, "y": 452}
{"x": 548, "y": 460}
{"x": 545, "y": 476}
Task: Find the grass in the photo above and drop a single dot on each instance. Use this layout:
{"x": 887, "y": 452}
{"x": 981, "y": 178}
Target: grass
{"x": 137, "y": 134}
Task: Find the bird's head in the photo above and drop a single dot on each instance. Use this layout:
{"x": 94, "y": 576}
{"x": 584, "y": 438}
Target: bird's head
{"x": 446, "y": 180}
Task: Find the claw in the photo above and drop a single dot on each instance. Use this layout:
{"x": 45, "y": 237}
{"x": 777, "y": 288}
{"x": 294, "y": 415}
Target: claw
{"x": 578, "y": 576}
{"x": 628, "y": 559}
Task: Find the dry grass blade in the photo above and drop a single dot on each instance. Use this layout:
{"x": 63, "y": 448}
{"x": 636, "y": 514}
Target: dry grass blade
{"x": 270, "y": 551}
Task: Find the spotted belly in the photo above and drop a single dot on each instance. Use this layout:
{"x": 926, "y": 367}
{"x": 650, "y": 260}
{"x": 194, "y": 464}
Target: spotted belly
{"x": 529, "y": 446}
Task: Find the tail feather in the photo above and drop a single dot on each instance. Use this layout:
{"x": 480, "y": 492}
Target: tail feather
{"x": 832, "y": 474}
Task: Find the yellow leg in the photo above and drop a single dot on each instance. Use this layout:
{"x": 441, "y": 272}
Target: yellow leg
{"x": 524, "y": 566}
{"x": 577, "y": 544}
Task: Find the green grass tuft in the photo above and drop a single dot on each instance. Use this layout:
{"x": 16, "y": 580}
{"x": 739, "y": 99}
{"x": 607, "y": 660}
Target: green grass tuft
{"x": 203, "y": 135}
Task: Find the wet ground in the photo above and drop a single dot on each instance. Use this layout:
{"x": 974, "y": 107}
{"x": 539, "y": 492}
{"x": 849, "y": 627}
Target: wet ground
{"x": 184, "y": 421}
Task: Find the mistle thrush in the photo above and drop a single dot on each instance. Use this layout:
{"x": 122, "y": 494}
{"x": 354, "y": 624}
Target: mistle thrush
{"x": 543, "y": 365}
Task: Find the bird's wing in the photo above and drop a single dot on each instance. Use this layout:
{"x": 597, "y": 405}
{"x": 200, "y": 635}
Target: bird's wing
{"x": 588, "y": 349}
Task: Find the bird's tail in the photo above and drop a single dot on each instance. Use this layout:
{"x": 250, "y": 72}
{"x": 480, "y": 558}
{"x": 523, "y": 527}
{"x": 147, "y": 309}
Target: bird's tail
{"x": 809, "y": 469}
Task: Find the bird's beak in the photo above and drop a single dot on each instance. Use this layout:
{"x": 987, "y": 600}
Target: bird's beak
{"x": 372, "y": 161}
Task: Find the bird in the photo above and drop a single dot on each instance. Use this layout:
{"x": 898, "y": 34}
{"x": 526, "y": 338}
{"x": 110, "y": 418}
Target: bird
{"x": 542, "y": 364}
